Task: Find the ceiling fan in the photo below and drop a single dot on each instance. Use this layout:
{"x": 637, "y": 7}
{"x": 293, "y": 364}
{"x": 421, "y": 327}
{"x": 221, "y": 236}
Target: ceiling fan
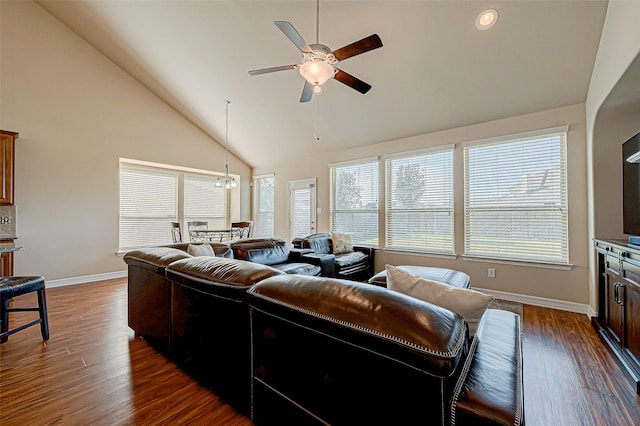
{"x": 318, "y": 60}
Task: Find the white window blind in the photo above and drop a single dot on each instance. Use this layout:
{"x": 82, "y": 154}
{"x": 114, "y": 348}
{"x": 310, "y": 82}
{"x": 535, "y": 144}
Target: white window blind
{"x": 419, "y": 202}
{"x": 151, "y": 197}
{"x": 302, "y": 207}
{"x": 263, "y": 206}
{"x": 516, "y": 199}
{"x": 148, "y": 204}
{"x": 203, "y": 201}
{"x": 354, "y": 201}
{"x": 300, "y": 212}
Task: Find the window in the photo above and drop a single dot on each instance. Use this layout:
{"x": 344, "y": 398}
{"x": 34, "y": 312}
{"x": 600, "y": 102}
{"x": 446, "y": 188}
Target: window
{"x": 203, "y": 201}
{"x": 150, "y": 200}
{"x": 263, "y": 203}
{"x": 516, "y": 197}
{"x": 419, "y": 201}
{"x": 354, "y": 200}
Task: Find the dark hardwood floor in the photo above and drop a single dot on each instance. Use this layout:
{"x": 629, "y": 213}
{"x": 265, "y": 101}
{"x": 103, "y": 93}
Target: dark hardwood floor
{"x": 93, "y": 371}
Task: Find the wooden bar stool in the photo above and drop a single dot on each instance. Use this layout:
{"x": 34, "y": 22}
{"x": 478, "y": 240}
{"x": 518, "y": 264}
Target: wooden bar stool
{"x": 11, "y": 287}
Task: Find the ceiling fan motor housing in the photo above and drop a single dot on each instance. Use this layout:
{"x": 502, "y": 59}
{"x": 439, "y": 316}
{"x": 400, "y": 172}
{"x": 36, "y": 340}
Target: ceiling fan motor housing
{"x": 320, "y": 52}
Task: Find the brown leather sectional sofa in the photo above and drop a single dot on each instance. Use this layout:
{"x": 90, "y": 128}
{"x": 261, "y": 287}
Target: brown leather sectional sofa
{"x": 298, "y": 349}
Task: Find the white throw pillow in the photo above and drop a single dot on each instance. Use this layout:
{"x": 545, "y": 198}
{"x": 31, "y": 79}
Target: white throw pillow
{"x": 469, "y": 304}
{"x": 341, "y": 243}
{"x": 200, "y": 250}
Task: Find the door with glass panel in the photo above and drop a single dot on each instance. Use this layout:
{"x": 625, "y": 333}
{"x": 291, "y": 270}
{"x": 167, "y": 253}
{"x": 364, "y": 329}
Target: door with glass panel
{"x": 302, "y": 207}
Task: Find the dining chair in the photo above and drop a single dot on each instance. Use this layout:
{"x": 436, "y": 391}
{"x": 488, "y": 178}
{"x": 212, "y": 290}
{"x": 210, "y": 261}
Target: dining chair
{"x": 241, "y": 229}
{"x": 176, "y": 232}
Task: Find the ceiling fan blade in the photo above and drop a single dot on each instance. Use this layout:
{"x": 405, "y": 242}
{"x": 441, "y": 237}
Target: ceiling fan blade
{"x": 293, "y": 35}
{"x": 358, "y": 47}
{"x": 307, "y": 92}
{"x": 273, "y": 69}
{"x": 351, "y": 81}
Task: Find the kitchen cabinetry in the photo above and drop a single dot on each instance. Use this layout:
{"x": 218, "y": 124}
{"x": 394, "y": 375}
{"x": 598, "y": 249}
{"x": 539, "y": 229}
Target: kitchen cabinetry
{"x": 618, "y": 318}
{"x": 7, "y": 162}
{"x": 7, "y": 158}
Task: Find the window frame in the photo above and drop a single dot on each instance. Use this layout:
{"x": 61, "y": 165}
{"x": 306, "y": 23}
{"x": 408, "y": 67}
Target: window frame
{"x": 257, "y": 212}
{"x": 524, "y": 255}
{"x": 333, "y": 168}
{"x": 425, "y": 246}
{"x": 179, "y": 173}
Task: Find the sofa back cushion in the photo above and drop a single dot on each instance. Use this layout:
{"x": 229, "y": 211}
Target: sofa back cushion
{"x": 333, "y": 347}
{"x": 469, "y": 304}
{"x": 154, "y": 259}
{"x": 220, "y": 249}
{"x": 409, "y": 330}
{"x": 216, "y": 275}
{"x": 320, "y": 243}
{"x": 267, "y": 251}
{"x": 200, "y": 250}
{"x": 341, "y": 243}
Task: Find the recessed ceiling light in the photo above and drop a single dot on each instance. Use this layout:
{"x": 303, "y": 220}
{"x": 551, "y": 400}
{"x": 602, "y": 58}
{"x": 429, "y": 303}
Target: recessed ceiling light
{"x": 487, "y": 19}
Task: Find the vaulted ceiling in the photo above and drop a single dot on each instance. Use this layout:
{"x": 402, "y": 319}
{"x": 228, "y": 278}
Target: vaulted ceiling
{"x": 435, "y": 71}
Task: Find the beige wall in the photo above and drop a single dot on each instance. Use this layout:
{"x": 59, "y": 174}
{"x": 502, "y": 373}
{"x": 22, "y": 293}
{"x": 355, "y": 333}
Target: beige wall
{"x": 612, "y": 116}
{"x": 77, "y": 114}
{"x": 562, "y": 285}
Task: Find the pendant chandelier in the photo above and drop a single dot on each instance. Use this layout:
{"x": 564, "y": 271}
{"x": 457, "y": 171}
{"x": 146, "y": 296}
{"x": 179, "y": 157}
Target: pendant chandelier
{"x": 228, "y": 182}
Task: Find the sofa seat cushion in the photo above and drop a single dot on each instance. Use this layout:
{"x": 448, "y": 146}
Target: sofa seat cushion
{"x": 352, "y": 258}
{"x": 490, "y": 388}
{"x": 298, "y": 268}
{"x": 154, "y": 259}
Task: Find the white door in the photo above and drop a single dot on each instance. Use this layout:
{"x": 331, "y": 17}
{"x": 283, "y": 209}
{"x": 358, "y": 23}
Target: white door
{"x": 302, "y": 207}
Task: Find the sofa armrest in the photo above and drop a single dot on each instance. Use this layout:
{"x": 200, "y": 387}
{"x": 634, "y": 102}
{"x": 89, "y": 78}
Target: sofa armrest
{"x": 369, "y": 251}
{"x": 295, "y": 254}
{"x": 327, "y": 263}
{"x": 489, "y": 390}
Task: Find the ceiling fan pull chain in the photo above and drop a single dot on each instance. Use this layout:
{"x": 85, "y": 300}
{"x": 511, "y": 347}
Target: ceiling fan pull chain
{"x": 317, "y": 135}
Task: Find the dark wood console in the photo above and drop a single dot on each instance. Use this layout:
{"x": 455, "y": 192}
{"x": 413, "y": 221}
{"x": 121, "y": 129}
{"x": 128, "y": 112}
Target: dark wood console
{"x": 618, "y": 318}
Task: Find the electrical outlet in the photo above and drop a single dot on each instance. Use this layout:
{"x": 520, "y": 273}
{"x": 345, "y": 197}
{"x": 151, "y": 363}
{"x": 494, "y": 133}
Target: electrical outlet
{"x": 491, "y": 273}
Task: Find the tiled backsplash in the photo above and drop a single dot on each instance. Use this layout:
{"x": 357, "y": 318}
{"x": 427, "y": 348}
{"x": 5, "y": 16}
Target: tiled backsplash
{"x": 8, "y": 221}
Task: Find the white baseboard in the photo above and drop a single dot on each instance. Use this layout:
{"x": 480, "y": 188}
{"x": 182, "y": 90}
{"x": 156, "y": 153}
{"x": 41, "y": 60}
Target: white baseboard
{"x": 562, "y": 305}
{"x": 86, "y": 279}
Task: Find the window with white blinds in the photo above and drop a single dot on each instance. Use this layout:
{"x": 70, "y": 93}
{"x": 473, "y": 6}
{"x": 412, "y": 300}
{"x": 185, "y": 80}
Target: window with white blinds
{"x": 419, "y": 201}
{"x": 516, "y": 198}
{"x": 149, "y": 202}
{"x": 148, "y": 205}
{"x": 203, "y": 201}
{"x": 263, "y": 205}
{"x": 354, "y": 201}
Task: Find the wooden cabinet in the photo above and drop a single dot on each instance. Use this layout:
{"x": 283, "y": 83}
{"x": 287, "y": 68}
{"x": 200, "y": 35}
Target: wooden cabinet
{"x": 7, "y": 162}
{"x": 618, "y": 318}
{"x": 6, "y": 264}
{"x": 7, "y": 159}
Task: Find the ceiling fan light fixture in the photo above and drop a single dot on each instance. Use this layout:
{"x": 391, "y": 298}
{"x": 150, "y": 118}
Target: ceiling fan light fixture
{"x": 316, "y": 72}
{"x": 317, "y": 90}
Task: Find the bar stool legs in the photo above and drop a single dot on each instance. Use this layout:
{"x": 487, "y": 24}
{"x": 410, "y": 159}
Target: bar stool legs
{"x": 11, "y": 287}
